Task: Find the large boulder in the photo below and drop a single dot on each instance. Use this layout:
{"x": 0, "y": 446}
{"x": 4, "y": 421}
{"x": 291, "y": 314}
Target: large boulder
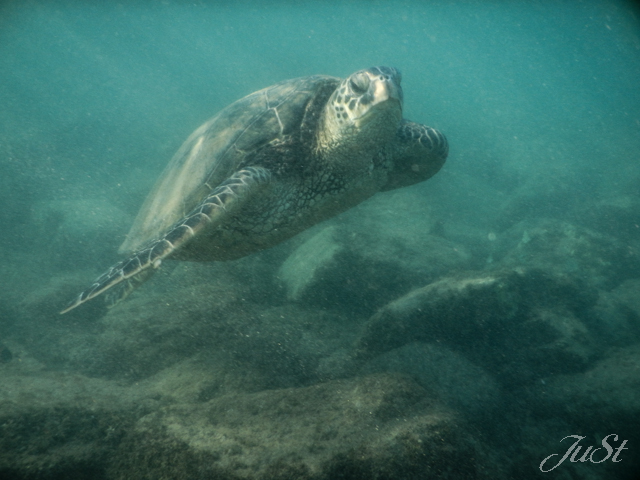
{"x": 519, "y": 324}
{"x": 371, "y": 254}
{"x": 362, "y": 270}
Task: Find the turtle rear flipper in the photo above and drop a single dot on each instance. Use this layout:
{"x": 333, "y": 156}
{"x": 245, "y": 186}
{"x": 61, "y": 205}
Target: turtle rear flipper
{"x": 223, "y": 200}
{"x": 122, "y": 290}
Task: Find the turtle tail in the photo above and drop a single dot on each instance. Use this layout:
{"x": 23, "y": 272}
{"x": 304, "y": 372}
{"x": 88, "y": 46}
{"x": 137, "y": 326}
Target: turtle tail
{"x": 140, "y": 266}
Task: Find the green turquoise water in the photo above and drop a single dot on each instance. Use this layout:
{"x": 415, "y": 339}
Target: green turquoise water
{"x": 540, "y": 102}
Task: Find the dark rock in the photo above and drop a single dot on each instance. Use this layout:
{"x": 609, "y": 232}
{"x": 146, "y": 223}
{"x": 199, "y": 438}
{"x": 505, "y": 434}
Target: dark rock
{"x": 604, "y": 399}
{"x": 362, "y": 269}
{"x": 371, "y": 254}
{"x": 518, "y": 324}
{"x": 605, "y": 396}
{"x": 449, "y": 376}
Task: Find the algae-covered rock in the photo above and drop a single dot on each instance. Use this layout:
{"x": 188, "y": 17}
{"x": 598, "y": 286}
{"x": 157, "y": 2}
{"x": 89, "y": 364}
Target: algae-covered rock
{"x": 379, "y": 426}
{"x": 60, "y": 425}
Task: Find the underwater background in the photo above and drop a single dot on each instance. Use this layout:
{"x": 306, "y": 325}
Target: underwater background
{"x": 459, "y": 328}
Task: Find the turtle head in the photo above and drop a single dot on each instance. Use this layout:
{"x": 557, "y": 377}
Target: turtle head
{"x": 365, "y": 107}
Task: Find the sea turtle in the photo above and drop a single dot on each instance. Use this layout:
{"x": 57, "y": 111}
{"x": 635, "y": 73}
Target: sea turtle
{"x": 271, "y": 165}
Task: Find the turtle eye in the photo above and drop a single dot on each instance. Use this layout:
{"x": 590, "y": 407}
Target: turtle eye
{"x": 359, "y": 85}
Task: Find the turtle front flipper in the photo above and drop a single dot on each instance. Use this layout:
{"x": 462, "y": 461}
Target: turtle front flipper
{"x": 417, "y": 153}
{"x": 223, "y": 200}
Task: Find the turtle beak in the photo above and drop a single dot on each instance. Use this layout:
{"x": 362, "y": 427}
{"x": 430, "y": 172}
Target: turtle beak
{"x": 383, "y": 98}
{"x": 384, "y": 88}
